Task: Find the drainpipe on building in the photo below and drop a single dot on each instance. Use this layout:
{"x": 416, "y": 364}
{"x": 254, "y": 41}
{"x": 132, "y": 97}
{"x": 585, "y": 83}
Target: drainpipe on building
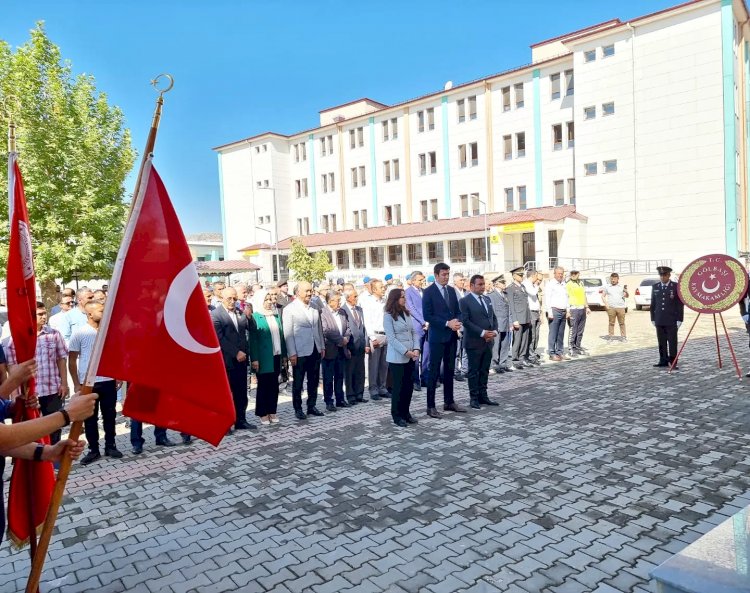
{"x": 635, "y": 158}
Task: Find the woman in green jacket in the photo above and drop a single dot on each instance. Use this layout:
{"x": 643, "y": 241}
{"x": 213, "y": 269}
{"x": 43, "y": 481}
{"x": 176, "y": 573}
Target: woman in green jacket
{"x": 268, "y": 353}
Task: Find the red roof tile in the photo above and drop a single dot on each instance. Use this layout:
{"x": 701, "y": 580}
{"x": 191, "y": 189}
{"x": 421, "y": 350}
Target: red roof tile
{"x": 447, "y": 226}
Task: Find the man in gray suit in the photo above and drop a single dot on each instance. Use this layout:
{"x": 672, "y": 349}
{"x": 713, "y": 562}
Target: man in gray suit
{"x": 354, "y": 371}
{"x": 304, "y": 345}
{"x": 520, "y": 319}
{"x": 501, "y": 347}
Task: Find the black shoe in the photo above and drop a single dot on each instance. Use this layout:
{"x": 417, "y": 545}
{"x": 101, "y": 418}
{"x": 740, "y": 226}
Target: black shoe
{"x": 329, "y": 408}
{"x": 417, "y": 387}
{"x": 433, "y": 413}
{"x": 386, "y": 395}
{"x": 662, "y": 364}
{"x": 300, "y": 415}
{"x": 90, "y": 457}
{"x": 315, "y": 412}
{"x": 459, "y": 377}
{"x": 375, "y": 397}
{"x": 137, "y": 450}
{"x": 343, "y": 404}
{"x": 475, "y": 404}
{"x": 112, "y": 452}
{"x": 352, "y": 401}
{"x": 411, "y": 419}
{"x": 187, "y": 439}
{"x": 488, "y": 402}
{"x": 362, "y": 400}
{"x": 165, "y": 443}
{"x": 499, "y": 370}
{"x": 245, "y": 426}
{"x": 518, "y": 366}
{"x": 453, "y": 407}
{"x": 400, "y": 422}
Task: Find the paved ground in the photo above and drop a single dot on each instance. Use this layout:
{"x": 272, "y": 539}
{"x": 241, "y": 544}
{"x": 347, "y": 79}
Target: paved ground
{"x": 589, "y": 474}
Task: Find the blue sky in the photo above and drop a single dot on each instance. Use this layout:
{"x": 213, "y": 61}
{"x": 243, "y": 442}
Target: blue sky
{"x": 244, "y": 67}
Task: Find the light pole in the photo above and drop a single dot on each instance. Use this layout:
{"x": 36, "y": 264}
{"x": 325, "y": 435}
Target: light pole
{"x": 275, "y": 231}
{"x": 486, "y": 232}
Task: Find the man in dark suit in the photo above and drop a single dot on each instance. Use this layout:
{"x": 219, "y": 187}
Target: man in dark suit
{"x": 354, "y": 370}
{"x": 667, "y": 314}
{"x": 480, "y": 331}
{"x": 231, "y": 328}
{"x": 442, "y": 312}
{"x": 414, "y": 304}
{"x": 336, "y": 334}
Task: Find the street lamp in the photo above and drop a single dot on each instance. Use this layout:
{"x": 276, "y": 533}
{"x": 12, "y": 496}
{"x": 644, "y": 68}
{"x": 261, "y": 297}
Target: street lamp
{"x": 275, "y": 230}
{"x": 486, "y": 232}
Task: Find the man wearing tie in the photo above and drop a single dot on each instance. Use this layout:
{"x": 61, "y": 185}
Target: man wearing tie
{"x": 480, "y": 330}
{"x": 354, "y": 369}
{"x": 667, "y": 314}
{"x": 414, "y": 304}
{"x": 442, "y": 312}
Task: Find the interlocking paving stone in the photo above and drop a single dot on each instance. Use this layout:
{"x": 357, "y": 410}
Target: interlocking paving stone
{"x": 588, "y": 474}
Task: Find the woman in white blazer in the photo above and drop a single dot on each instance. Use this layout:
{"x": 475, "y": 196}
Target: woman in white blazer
{"x": 403, "y": 351}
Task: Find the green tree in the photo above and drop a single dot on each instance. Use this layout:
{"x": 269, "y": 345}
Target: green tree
{"x": 74, "y": 154}
{"x": 306, "y": 267}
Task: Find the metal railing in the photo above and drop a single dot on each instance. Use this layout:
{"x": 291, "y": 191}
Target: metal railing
{"x": 621, "y": 266}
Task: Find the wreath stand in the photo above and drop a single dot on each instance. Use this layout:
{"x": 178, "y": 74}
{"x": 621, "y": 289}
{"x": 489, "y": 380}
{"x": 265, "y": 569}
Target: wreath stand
{"x": 718, "y": 349}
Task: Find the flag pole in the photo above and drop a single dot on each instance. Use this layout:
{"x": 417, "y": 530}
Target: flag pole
{"x": 75, "y": 430}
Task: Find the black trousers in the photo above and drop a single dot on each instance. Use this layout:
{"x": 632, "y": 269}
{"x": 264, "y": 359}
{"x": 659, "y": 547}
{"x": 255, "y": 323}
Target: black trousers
{"x": 307, "y": 366}
{"x": 267, "y": 395}
{"x": 354, "y": 373}
{"x": 333, "y": 378}
{"x": 536, "y": 324}
{"x": 479, "y": 370}
{"x": 521, "y": 338}
{"x": 237, "y": 376}
{"x": 666, "y": 335}
{"x": 403, "y": 388}
{"x": 107, "y": 392}
{"x": 49, "y": 404}
{"x": 441, "y": 353}
{"x": 577, "y": 324}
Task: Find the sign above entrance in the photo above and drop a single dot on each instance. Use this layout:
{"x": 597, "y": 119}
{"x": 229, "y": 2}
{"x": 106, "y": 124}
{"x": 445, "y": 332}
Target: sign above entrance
{"x": 251, "y": 252}
{"x": 516, "y": 227}
{"x": 713, "y": 283}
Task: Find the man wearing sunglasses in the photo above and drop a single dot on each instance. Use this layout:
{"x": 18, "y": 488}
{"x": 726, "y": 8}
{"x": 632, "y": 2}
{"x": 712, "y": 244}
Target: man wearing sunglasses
{"x": 67, "y": 302}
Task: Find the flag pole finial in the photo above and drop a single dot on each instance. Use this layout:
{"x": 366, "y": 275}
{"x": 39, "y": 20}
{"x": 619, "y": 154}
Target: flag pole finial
{"x": 11, "y": 136}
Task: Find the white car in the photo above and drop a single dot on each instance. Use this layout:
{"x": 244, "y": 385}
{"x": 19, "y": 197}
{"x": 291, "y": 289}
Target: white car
{"x": 593, "y": 286}
{"x": 642, "y": 296}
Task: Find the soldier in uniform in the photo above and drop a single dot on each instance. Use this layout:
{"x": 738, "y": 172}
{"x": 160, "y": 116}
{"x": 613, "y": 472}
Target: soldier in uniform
{"x": 667, "y": 313}
{"x": 520, "y": 319}
{"x": 500, "y": 305}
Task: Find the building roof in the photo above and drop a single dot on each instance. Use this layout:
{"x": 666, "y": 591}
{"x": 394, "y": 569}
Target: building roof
{"x": 368, "y": 100}
{"x": 231, "y": 266}
{"x": 446, "y": 226}
{"x": 205, "y": 238}
{"x": 255, "y": 246}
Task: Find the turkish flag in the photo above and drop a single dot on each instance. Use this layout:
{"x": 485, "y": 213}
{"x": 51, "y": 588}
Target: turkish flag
{"x": 158, "y": 335}
{"x": 31, "y": 483}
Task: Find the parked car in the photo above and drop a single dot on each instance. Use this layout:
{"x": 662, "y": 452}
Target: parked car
{"x": 642, "y": 294}
{"x": 593, "y": 286}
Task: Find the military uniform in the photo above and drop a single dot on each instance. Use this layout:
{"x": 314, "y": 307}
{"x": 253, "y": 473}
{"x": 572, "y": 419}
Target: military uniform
{"x": 519, "y": 312}
{"x": 500, "y": 306}
{"x": 667, "y": 311}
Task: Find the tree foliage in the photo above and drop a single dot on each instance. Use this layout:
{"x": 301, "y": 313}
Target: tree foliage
{"x": 306, "y": 267}
{"x": 74, "y": 153}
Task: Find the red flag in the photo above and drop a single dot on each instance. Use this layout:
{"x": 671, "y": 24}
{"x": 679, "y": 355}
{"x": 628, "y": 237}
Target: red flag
{"x": 31, "y": 483}
{"x": 159, "y": 335}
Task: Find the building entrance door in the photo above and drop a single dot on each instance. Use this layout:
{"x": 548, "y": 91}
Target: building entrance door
{"x": 529, "y": 247}
{"x": 552, "y": 248}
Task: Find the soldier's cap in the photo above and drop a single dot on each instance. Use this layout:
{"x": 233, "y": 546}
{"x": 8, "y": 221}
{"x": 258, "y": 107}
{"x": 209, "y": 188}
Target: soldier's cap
{"x": 388, "y": 277}
{"x": 281, "y": 283}
{"x": 500, "y": 278}
{"x": 518, "y": 270}
{"x": 430, "y": 278}
{"x": 365, "y": 280}
{"x": 340, "y": 282}
{"x": 663, "y": 270}
{"x": 407, "y": 277}
{"x": 574, "y": 272}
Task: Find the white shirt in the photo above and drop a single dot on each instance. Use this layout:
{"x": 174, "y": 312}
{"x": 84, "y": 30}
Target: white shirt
{"x": 556, "y": 296}
{"x": 373, "y": 313}
{"x": 531, "y": 290}
{"x": 337, "y": 320}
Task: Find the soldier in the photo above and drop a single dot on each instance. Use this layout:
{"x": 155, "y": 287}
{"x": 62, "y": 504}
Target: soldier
{"x": 520, "y": 319}
{"x": 502, "y": 343}
{"x": 667, "y": 313}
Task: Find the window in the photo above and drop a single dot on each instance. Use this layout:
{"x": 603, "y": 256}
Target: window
{"x": 610, "y": 166}
{"x": 324, "y": 223}
{"x": 589, "y": 56}
{"x": 362, "y": 180}
{"x": 608, "y": 50}
{"x": 303, "y": 226}
{"x": 571, "y": 190}
{"x": 518, "y": 89}
{"x": 554, "y": 80}
{"x": 469, "y": 204}
{"x": 352, "y": 139}
{"x": 435, "y": 252}
{"x": 296, "y": 153}
{"x": 506, "y": 98}
{"x": 479, "y": 249}
{"x": 394, "y": 128}
{"x": 265, "y": 183}
{"x": 377, "y": 257}
{"x": 395, "y": 167}
{"x": 557, "y": 137}
{"x": 434, "y": 209}
{"x": 324, "y": 183}
{"x": 385, "y": 131}
{"x": 558, "y": 193}
{"x": 359, "y": 258}
{"x": 589, "y": 168}
{"x": 422, "y": 164}
{"x": 303, "y": 151}
{"x": 507, "y": 147}
{"x": 363, "y": 218}
{"x": 395, "y": 255}
{"x": 333, "y": 222}
{"x": 388, "y": 215}
{"x": 342, "y": 259}
{"x": 473, "y": 107}
{"x": 425, "y": 214}
{"x": 569, "y": 85}
{"x": 390, "y": 129}
{"x": 608, "y": 108}
{"x": 461, "y": 105}
{"x": 431, "y": 118}
{"x": 331, "y": 185}
{"x": 260, "y": 220}
{"x": 300, "y": 188}
{"x": 268, "y": 219}
{"x": 571, "y": 134}
{"x": 521, "y": 189}
{"x": 420, "y": 121}
{"x": 329, "y": 139}
{"x": 474, "y": 154}
{"x": 521, "y": 144}
{"x": 355, "y": 182}
{"x": 461, "y": 156}
{"x": 386, "y": 171}
{"x": 429, "y": 210}
{"x": 360, "y": 136}
{"x": 589, "y": 112}
{"x": 258, "y": 183}
{"x": 509, "y": 199}
{"x": 265, "y": 148}
{"x": 414, "y": 254}
{"x": 356, "y": 220}
{"x": 257, "y": 150}
{"x": 323, "y": 146}
{"x": 360, "y": 219}
{"x": 432, "y": 158}
{"x": 457, "y": 250}
{"x": 397, "y": 213}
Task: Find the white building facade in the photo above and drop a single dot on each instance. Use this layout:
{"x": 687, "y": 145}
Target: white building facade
{"x": 641, "y": 126}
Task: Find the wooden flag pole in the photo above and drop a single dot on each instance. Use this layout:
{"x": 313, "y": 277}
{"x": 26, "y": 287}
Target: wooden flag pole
{"x": 75, "y": 430}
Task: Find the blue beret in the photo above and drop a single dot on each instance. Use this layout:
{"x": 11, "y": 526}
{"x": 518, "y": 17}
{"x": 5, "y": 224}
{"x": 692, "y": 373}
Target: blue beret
{"x": 388, "y": 277}
{"x": 430, "y": 278}
{"x": 366, "y": 279}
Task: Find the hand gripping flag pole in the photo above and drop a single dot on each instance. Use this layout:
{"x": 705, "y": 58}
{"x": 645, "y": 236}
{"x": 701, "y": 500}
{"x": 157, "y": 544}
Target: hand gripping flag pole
{"x": 75, "y": 431}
